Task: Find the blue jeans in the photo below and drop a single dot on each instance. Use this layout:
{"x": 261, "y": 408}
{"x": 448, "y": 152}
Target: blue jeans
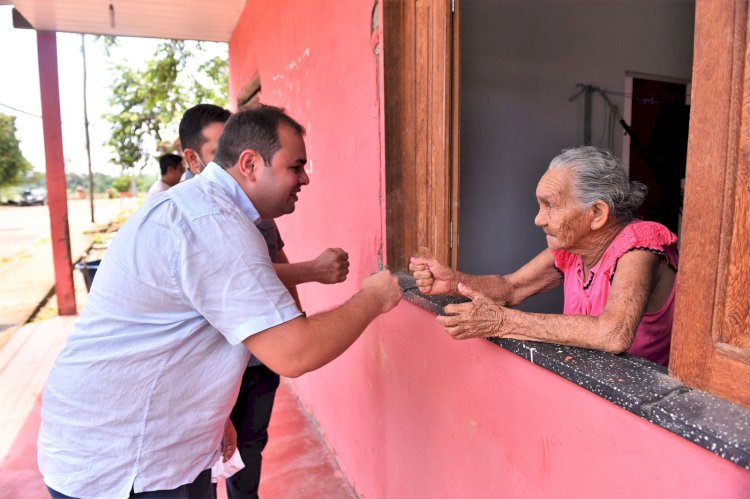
{"x": 201, "y": 488}
{"x": 250, "y": 416}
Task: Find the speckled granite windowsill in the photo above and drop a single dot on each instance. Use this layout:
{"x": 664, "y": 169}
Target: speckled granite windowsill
{"x": 635, "y": 384}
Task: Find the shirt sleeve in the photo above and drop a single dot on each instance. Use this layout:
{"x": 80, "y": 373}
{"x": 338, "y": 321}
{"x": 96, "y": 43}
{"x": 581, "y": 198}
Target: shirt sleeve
{"x": 563, "y": 260}
{"x": 645, "y": 236}
{"x": 226, "y": 275}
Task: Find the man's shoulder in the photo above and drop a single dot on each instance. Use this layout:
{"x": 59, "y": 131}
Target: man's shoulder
{"x": 198, "y": 198}
{"x": 157, "y": 186}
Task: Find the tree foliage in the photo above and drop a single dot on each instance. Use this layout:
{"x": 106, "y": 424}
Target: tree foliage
{"x": 14, "y": 168}
{"x": 216, "y": 92}
{"x": 142, "y": 182}
{"x": 148, "y": 102}
{"x": 102, "y": 181}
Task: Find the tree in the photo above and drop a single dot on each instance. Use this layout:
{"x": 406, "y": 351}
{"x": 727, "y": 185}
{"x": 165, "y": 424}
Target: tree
{"x": 14, "y": 168}
{"x": 149, "y": 102}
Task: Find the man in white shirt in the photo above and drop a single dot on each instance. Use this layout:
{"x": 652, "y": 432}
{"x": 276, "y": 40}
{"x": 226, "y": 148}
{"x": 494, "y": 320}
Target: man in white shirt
{"x": 172, "y": 168}
{"x": 247, "y": 432}
{"x": 137, "y": 400}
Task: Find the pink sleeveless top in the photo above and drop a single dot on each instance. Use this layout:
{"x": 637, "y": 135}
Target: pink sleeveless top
{"x": 588, "y": 295}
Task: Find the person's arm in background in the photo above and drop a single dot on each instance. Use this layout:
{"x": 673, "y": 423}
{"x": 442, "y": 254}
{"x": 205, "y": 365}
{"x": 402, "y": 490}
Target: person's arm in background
{"x": 536, "y": 276}
{"x": 281, "y": 261}
{"x": 330, "y": 267}
{"x": 304, "y": 344}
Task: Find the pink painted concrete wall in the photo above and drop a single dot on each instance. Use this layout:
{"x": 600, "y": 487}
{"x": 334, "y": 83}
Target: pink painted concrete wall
{"x": 409, "y": 412}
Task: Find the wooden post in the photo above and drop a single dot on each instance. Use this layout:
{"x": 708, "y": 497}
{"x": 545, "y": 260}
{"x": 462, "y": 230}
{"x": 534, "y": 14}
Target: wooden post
{"x": 55, "y": 166}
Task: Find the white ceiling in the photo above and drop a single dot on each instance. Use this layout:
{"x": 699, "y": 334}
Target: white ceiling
{"x": 212, "y": 20}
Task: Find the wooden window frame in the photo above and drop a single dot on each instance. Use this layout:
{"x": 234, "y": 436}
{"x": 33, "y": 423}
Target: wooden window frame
{"x": 420, "y": 80}
{"x": 711, "y": 337}
{"x": 249, "y": 96}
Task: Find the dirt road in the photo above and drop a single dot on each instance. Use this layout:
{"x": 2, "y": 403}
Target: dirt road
{"x": 26, "y": 267}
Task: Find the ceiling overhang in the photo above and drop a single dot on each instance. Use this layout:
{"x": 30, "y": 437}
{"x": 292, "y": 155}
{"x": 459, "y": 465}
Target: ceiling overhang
{"x": 176, "y": 19}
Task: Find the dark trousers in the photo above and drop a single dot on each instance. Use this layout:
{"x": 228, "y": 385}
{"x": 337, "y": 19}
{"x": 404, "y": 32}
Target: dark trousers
{"x": 250, "y": 417}
{"x": 201, "y": 488}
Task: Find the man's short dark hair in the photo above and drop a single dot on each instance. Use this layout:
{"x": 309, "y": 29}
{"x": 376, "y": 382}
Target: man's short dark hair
{"x": 256, "y": 129}
{"x": 195, "y": 120}
{"x": 169, "y": 161}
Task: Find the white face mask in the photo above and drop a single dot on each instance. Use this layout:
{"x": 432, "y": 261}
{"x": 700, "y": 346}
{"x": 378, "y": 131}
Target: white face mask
{"x": 203, "y": 165}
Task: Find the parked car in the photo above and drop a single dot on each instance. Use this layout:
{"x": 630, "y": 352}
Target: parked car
{"x": 33, "y": 196}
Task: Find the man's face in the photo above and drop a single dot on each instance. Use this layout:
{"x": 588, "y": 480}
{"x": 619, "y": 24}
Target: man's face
{"x": 562, "y": 218}
{"x": 174, "y": 174}
{"x": 277, "y": 185}
{"x": 199, "y": 159}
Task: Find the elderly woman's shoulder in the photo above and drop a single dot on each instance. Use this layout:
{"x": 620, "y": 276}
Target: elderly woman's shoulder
{"x": 648, "y": 236}
{"x": 642, "y": 233}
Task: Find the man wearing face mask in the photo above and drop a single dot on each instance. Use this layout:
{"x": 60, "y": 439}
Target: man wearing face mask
{"x": 247, "y": 432}
{"x": 200, "y": 129}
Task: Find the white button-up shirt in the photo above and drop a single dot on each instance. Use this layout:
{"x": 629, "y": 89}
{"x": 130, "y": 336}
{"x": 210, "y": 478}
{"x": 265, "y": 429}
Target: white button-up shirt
{"x": 139, "y": 396}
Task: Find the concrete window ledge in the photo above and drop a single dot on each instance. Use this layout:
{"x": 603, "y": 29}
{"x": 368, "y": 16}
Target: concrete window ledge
{"x": 635, "y": 384}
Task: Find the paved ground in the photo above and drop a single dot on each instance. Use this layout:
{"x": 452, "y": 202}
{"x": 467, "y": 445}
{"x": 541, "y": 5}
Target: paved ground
{"x": 297, "y": 463}
{"x": 26, "y": 268}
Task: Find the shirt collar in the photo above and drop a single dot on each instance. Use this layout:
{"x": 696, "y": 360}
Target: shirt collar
{"x": 214, "y": 173}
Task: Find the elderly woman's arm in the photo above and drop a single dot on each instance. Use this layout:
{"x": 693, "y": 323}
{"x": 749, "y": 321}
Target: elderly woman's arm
{"x": 538, "y": 275}
{"x": 612, "y": 331}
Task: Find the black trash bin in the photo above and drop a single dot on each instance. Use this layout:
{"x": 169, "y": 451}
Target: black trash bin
{"x": 89, "y": 271}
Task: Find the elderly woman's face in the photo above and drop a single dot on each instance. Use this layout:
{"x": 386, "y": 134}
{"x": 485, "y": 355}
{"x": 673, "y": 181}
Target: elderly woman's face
{"x": 561, "y": 216}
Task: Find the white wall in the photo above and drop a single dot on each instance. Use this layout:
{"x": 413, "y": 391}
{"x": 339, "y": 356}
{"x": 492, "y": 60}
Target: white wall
{"x": 521, "y": 61}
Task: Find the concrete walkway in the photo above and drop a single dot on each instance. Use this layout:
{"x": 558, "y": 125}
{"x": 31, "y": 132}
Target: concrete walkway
{"x": 297, "y": 463}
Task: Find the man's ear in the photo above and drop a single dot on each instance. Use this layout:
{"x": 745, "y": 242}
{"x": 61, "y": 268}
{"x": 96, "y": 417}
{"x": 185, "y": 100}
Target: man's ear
{"x": 191, "y": 159}
{"x": 248, "y": 164}
{"x": 600, "y": 214}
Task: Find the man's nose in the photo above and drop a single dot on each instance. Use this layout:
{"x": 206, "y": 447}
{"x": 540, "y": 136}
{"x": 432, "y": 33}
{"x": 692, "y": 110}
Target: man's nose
{"x": 304, "y": 179}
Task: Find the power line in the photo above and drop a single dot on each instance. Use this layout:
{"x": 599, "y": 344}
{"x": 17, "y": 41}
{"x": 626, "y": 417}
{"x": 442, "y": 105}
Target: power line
{"x": 20, "y": 110}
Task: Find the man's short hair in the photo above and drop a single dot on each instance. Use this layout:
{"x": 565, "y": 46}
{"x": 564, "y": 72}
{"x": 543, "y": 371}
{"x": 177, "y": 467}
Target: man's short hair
{"x": 195, "y": 120}
{"x": 169, "y": 161}
{"x": 256, "y": 129}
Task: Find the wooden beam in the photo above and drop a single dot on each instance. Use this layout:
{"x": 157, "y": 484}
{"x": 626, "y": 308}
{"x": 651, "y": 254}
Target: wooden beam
{"x": 418, "y": 128}
{"x": 710, "y": 339}
{"x": 20, "y": 22}
{"x": 55, "y": 166}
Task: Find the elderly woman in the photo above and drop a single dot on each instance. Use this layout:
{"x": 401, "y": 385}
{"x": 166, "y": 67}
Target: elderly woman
{"x": 618, "y": 273}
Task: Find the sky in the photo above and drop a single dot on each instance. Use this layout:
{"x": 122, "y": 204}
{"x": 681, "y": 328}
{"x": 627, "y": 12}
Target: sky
{"x": 19, "y": 92}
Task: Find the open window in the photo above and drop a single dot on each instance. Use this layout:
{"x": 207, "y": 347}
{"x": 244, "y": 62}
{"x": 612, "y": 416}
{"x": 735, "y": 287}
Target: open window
{"x": 521, "y": 62}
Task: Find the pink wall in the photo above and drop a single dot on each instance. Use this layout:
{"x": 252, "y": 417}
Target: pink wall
{"x": 409, "y": 412}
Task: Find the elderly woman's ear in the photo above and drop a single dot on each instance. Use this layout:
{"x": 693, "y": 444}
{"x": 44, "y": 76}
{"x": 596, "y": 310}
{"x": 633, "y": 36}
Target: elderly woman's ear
{"x": 600, "y": 215}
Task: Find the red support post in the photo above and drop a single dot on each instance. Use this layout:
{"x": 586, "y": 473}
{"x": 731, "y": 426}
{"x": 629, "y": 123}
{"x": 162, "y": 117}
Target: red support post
{"x": 56, "y": 189}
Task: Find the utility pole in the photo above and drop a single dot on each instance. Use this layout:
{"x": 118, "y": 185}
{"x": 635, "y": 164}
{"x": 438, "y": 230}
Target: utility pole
{"x": 86, "y": 126}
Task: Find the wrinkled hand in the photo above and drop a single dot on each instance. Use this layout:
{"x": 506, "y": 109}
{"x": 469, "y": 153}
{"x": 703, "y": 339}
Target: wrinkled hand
{"x": 331, "y": 266}
{"x": 385, "y": 286}
{"x": 229, "y": 442}
{"x": 433, "y": 278}
{"x": 479, "y": 318}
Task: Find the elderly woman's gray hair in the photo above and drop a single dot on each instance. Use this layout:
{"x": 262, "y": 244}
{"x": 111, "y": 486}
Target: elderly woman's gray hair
{"x": 599, "y": 175}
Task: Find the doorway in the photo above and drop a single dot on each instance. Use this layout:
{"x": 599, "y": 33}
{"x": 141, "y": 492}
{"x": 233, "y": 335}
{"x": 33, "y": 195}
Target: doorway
{"x": 655, "y": 153}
